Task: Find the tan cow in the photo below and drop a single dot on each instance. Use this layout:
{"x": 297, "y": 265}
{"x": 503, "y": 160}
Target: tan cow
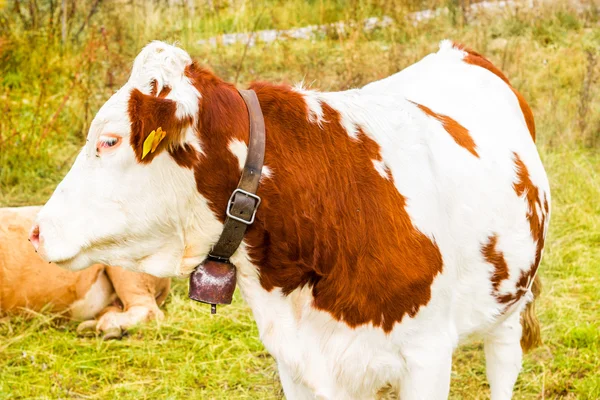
{"x": 108, "y": 299}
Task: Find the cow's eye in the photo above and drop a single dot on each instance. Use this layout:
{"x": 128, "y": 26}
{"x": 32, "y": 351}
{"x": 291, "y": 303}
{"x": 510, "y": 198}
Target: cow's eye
{"x": 107, "y": 142}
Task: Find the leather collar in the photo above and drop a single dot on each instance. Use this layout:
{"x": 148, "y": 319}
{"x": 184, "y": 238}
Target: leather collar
{"x": 214, "y": 280}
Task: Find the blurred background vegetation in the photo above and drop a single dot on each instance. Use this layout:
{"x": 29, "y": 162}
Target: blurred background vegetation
{"x": 57, "y": 68}
{"x": 61, "y": 59}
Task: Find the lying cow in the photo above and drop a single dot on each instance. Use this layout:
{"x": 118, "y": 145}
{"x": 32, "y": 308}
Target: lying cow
{"x": 395, "y": 219}
{"x": 117, "y": 298}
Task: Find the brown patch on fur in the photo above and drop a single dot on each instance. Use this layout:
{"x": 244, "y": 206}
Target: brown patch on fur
{"x": 524, "y": 187}
{"x": 459, "y": 133}
{"x": 496, "y": 258}
{"x": 347, "y": 235}
{"x": 536, "y": 216}
{"x": 223, "y": 117}
{"x": 475, "y": 58}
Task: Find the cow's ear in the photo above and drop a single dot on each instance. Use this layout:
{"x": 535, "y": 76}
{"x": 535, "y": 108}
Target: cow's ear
{"x": 155, "y": 126}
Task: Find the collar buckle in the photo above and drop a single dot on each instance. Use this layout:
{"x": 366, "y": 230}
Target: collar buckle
{"x": 240, "y": 206}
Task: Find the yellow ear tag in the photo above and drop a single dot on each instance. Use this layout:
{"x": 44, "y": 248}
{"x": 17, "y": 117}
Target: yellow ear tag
{"x": 158, "y": 137}
{"x": 148, "y": 144}
{"x": 152, "y": 141}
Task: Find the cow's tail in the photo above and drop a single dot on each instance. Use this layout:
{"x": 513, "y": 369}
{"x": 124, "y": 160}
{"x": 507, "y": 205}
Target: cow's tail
{"x": 531, "y": 337}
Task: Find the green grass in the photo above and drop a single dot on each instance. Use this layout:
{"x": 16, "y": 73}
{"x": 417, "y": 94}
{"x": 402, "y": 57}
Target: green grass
{"x": 190, "y": 355}
{"x": 49, "y": 94}
{"x": 193, "y": 354}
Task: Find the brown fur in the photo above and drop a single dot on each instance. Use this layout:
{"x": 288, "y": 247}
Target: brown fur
{"x": 496, "y": 258}
{"x": 138, "y": 289}
{"x": 29, "y": 283}
{"x": 459, "y": 133}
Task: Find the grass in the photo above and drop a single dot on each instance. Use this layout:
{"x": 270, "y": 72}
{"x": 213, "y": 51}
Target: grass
{"x": 191, "y": 355}
{"x": 49, "y": 93}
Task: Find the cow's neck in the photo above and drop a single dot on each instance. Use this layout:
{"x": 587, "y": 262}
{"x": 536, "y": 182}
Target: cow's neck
{"x": 223, "y": 124}
{"x": 223, "y": 129}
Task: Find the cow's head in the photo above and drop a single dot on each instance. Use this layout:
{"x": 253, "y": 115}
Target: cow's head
{"x": 130, "y": 198}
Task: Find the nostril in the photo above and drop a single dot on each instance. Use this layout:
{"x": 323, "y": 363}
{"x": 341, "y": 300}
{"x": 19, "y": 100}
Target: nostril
{"x": 34, "y": 236}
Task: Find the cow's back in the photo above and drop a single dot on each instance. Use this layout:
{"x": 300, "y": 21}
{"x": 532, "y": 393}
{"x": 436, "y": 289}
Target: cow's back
{"x": 473, "y": 180}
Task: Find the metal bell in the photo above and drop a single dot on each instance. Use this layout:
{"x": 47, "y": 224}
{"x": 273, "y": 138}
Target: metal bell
{"x": 213, "y": 282}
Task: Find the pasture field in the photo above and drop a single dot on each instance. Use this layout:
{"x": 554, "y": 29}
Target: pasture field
{"x": 50, "y": 91}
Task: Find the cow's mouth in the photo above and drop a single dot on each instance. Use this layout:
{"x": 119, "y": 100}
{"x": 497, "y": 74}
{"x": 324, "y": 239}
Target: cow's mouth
{"x": 62, "y": 261}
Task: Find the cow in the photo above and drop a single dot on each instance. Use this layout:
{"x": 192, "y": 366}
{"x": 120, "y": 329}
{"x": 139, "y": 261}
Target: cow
{"x": 108, "y": 300}
{"x": 396, "y": 219}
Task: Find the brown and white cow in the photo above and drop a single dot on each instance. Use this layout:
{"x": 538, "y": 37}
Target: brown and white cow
{"x": 108, "y": 299}
{"x": 395, "y": 220}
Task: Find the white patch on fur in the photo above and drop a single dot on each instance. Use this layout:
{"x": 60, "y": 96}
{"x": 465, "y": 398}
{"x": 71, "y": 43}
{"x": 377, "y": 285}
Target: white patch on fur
{"x": 192, "y": 138}
{"x": 380, "y": 167}
{"x": 313, "y": 104}
{"x": 98, "y": 297}
{"x": 349, "y": 126}
{"x": 348, "y": 104}
{"x": 239, "y": 150}
{"x": 266, "y": 172}
{"x": 446, "y": 44}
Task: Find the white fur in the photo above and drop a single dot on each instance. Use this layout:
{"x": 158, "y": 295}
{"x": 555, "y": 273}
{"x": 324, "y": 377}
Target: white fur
{"x": 164, "y": 227}
{"x": 313, "y": 104}
{"x": 266, "y": 172}
{"x": 240, "y": 151}
{"x": 380, "y": 167}
{"x": 98, "y": 297}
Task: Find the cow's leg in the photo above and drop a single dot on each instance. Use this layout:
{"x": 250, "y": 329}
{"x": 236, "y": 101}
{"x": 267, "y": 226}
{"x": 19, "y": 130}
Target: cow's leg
{"x": 293, "y": 390}
{"x": 503, "y": 356}
{"x": 428, "y": 369}
{"x": 94, "y": 292}
{"x": 140, "y": 295}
